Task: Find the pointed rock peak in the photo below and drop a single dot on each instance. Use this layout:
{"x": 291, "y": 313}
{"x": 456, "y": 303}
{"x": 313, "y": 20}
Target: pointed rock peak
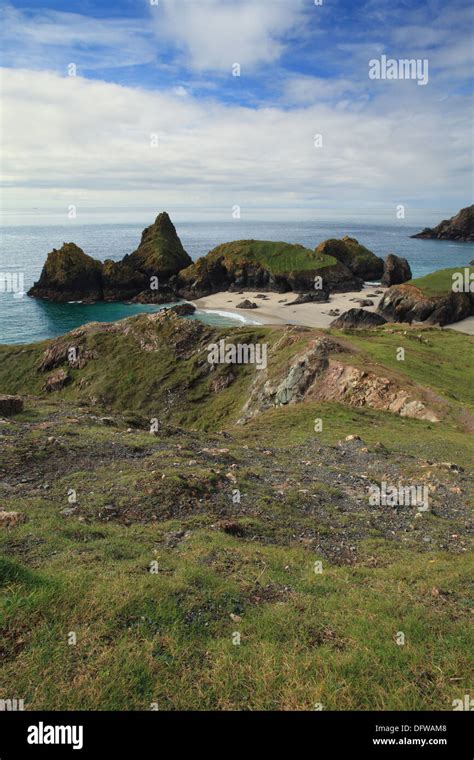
{"x": 160, "y": 251}
{"x": 163, "y": 226}
{"x": 69, "y": 248}
{"x": 163, "y": 220}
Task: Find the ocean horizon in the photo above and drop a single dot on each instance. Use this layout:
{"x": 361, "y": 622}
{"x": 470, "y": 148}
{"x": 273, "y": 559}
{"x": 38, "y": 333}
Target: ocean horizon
{"x": 23, "y": 251}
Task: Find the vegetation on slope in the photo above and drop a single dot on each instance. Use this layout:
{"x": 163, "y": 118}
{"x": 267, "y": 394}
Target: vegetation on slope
{"x": 277, "y": 257}
{"x": 155, "y": 567}
{"x": 439, "y": 283}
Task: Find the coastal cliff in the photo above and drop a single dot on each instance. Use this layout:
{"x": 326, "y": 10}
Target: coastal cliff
{"x": 459, "y": 227}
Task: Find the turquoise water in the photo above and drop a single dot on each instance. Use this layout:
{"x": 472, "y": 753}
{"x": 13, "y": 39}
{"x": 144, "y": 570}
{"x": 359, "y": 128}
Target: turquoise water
{"x": 23, "y": 251}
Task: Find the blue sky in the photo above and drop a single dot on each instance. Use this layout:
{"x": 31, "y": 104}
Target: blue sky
{"x": 166, "y": 70}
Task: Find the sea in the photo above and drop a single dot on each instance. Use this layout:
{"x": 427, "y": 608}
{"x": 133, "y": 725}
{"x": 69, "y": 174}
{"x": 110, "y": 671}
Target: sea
{"x": 23, "y": 251}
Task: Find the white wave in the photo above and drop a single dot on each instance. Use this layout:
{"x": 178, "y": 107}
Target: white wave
{"x": 228, "y": 315}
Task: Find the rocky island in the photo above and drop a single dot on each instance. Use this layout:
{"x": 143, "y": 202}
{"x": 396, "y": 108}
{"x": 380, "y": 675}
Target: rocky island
{"x": 460, "y": 227}
{"x": 160, "y": 270}
{"x": 69, "y": 274}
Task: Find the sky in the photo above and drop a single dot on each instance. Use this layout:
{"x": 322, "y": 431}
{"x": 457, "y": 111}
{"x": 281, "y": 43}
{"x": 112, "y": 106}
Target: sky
{"x": 114, "y": 110}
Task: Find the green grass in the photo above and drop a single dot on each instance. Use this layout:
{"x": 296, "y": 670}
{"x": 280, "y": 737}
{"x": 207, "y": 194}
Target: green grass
{"x": 445, "y": 441}
{"x": 277, "y": 257}
{"x": 167, "y": 638}
{"x": 439, "y": 283}
{"x": 441, "y": 360}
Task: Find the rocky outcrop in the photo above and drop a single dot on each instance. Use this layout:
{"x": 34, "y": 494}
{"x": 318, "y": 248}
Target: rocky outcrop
{"x": 265, "y": 265}
{"x": 336, "y": 278}
{"x": 460, "y": 227}
{"x": 183, "y": 309}
{"x": 120, "y": 282}
{"x": 361, "y": 262}
{"x": 358, "y": 318}
{"x": 10, "y": 405}
{"x": 396, "y": 270}
{"x": 160, "y": 253}
{"x": 246, "y": 304}
{"x": 314, "y": 296}
{"x": 57, "y": 380}
{"x": 407, "y": 303}
{"x": 357, "y": 388}
{"x": 160, "y": 270}
{"x": 164, "y": 294}
{"x": 11, "y": 519}
{"x": 69, "y": 274}
{"x": 291, "y": 386}
{"x": 319, "y": 375}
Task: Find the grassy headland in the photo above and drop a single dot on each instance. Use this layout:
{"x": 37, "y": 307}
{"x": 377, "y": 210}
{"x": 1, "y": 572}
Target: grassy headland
{"x": 156, "y": 567}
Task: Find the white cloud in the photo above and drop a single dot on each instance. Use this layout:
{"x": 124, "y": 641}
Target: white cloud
{"x": 214, "y": 34}
{"x": 307, "y": 90}
{"x": 52, "y": 39}
{"x": 71, "y": 140}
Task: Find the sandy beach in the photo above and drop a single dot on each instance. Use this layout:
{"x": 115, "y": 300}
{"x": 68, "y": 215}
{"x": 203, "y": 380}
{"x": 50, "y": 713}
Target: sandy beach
{"x": 277, "y": 309}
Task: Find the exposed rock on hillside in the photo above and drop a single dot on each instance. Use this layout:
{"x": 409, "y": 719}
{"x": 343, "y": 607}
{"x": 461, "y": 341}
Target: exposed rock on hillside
{"x": 358, "y": 388}
{"x": 396, "y": 270}
{"x": 57, "y": 380}
{"x": 460, "y": 227}
{"x": 317, "y": 375}
{"x": 69, "y": 274}
{"x": 10, "y": 405}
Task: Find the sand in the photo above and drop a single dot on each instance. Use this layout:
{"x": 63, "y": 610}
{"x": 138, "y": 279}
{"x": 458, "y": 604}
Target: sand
{"x": 464, "y": 326}
{"x": 273, "y": 310}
